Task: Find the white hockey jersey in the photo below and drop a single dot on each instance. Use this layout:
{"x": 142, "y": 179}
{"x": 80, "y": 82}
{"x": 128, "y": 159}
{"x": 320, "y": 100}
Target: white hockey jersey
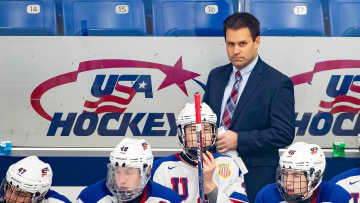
{"x": 153, "y": 193}
{"x": 54, "y": 197}
{"x": 350, "y": 181}
{"x": 174, "y": 173}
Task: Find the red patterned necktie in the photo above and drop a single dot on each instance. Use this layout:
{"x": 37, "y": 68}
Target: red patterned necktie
{"x": 231, "y": 102}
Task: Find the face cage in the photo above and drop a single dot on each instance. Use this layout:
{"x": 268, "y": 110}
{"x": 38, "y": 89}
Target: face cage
{"x": 281, "y": 184}
{"x": 124, "y": 195}
{"x": 191, "y": 152}
{"x": 34, "y": 197}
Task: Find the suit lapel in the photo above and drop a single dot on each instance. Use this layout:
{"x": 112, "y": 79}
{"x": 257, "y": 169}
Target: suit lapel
{"x": 249, "y": 89}
{"x": 223, "y": 79}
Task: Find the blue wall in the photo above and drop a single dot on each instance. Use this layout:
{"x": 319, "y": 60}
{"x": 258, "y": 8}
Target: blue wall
{"x": 83, "y": 171}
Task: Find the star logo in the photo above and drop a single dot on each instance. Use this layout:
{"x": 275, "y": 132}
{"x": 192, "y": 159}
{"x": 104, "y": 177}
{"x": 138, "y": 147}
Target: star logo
{"x": 177, "y": 75}
{"x": 142, "y": 85}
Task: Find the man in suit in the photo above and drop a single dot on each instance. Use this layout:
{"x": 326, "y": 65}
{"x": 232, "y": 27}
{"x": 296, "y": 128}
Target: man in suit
{"x": 254, "y": 103}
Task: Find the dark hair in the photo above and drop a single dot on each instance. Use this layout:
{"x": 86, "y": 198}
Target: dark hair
{"x": 243, "y": 20}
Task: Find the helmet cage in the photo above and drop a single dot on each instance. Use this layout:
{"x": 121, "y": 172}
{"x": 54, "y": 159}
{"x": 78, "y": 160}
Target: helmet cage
{"x": 128, "y": 194}
{"x": 312, "y": 179}
{"x": 186, "y": 117}
{"x": 7, "y": 191}
{"x": 191, "y": 152}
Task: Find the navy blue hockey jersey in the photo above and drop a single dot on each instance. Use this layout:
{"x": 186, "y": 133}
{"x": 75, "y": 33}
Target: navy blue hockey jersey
{"x": 326, "y": 192}
{"x": 153, "y": 193}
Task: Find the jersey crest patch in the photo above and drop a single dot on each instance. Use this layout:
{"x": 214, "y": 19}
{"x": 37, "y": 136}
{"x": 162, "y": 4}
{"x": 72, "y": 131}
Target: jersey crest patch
{"x": 224, "y": 170}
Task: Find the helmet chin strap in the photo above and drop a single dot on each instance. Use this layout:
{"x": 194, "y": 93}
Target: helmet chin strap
{"x": 136, "y": 200}
{"x": 301, "y": 200}
{"x": 312, "y": 196}
{"x": 187, "y": 159}
{"x": 191, "y": 155}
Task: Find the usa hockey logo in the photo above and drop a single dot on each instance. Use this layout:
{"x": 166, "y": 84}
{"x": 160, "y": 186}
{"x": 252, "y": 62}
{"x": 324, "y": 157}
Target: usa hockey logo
{"x": 44, "y": 171}
{"x": 224, "y": 170}
{"x": 110, "y": 96}
{"x": 337, "y": 110}
{"x": 342, "y": 97}
{"x": 314, "y": 150}
{"x": 145, "y": 145}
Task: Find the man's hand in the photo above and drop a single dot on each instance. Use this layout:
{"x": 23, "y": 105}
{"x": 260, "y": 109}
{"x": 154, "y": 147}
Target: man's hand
{"x": 209, "y": 167}
{"x": 227, "y": 141}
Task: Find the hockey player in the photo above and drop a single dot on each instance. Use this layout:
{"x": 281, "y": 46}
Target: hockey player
{"x": 350, "y": 181}
{"x": 299, "y": 178}
{"x": 223, "y": 179}
{"x": 29, "y": 181}
{"x": 129, "y": 171}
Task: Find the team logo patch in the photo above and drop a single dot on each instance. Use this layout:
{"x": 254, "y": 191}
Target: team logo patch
{"x": 144, "y": 145}
{"x": 224, "y": 170}
{"x": 44, "y": 171}
{"x": 314, "y": 150}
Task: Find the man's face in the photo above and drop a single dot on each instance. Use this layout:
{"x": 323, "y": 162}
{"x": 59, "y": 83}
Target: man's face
{"x": 240, "y": 47}
{"x": 15, "y": 195}
{"x": 127, "y": 178}
{"x": 206, "y": 132}
{"x": 294, "y": 182}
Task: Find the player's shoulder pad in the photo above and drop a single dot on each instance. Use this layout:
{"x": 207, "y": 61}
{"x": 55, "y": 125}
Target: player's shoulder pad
{"x": 345, "y": 174}
{"x": 55, "y": 195}
{"x": 240, "y": 164}
{"x": 237, "y": 160}
{"x": 158, "y": 162}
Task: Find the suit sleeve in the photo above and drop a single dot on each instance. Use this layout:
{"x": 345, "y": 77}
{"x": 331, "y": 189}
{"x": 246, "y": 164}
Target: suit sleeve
{"x": 281, "y": 130}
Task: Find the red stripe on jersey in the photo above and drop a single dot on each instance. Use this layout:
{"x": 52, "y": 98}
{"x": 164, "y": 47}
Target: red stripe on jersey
{"x": 144, "y": 195}
{"x": 177, "y": 155}
{"x": 237, "y": 201}
{"x": 316, "y": 196}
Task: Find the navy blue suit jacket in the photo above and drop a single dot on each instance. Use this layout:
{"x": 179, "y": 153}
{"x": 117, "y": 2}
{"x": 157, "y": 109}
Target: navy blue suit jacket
{"x": 264, "y": 118}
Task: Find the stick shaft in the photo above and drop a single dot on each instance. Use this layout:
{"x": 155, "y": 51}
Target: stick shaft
{"x": 199, "y": 147}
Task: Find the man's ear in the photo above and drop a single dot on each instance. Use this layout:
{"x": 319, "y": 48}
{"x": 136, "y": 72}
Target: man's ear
{"x": 257, "y": 41}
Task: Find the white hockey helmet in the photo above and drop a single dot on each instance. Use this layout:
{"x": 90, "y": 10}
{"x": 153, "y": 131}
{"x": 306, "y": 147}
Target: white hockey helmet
{"x": 131, "y": 153}
{"x": 29, "y": 175}
{"x": 308, "y": 158}
{"x": 186, "y": 117}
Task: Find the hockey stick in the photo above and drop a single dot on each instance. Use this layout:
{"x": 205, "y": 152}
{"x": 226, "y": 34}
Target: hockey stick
{"x": 199, "y": 147}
